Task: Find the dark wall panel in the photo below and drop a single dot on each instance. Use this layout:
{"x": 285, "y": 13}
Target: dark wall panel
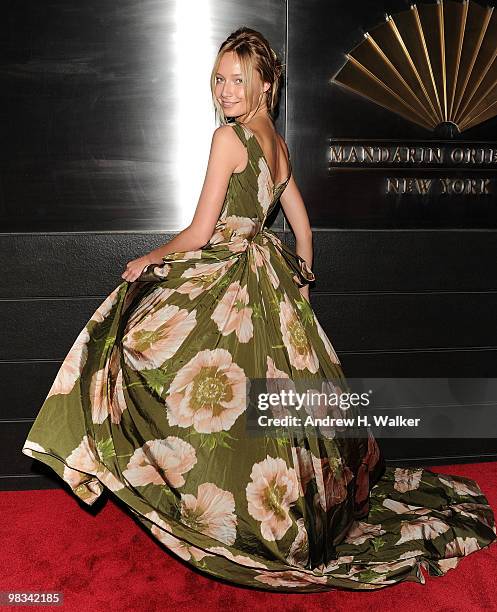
{"x": 324, "y": 113}
{"x": 102, "y": 142}
{"x": 106, "y": 110}
{"x": 90, "y": 179}
{"x": 405, "y": 285}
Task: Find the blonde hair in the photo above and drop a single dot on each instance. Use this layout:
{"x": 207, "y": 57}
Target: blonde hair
{"x": 254, "y": 53}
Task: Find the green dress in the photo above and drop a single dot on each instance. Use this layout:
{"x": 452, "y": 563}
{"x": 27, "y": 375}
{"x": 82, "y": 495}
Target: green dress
{"x": 150, "y": 403}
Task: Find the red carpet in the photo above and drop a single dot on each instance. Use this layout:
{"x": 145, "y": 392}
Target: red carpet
{"x": 105, "y": 561}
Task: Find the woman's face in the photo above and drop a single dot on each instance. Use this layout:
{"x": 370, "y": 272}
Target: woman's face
{"x": 230, "y": 88}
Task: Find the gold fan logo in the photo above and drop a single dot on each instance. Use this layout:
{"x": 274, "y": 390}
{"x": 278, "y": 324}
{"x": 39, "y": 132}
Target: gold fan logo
{"x": 433, "y": 64}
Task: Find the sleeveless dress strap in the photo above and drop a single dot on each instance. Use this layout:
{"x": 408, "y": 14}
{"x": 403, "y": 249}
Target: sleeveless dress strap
{"x": 242, "y": 134}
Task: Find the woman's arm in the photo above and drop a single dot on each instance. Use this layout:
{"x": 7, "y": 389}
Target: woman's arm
{"x": 296, "y": 214}
{"x": 226, "y": 153}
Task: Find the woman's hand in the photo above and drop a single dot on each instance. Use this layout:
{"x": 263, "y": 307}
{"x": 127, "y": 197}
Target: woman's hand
{"x": 135, "y": 267}
{"x": 305, "y": 292}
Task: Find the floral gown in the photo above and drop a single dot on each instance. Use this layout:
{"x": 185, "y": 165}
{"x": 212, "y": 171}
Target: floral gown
{"x": 150, "y": 404}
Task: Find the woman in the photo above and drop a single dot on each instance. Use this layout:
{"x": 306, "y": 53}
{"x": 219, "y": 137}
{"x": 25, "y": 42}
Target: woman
{"x": 151, "y": 401}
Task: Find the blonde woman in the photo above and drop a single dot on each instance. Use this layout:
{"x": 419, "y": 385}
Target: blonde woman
{"x": 152, "y": 400}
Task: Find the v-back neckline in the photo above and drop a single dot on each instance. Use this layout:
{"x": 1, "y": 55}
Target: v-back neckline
{"x": 275, "y": 186}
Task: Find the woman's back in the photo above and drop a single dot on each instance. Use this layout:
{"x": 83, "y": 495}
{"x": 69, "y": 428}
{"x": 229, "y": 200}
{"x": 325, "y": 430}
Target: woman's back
{"x": 274, "y": 149}
{"x": 252, "y": 192}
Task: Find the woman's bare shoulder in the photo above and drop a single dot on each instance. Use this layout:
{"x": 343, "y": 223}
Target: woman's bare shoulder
{"x": 227, "y": 148}
{"x": 225, "y": 136}
{"x": 224, "y": 130}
